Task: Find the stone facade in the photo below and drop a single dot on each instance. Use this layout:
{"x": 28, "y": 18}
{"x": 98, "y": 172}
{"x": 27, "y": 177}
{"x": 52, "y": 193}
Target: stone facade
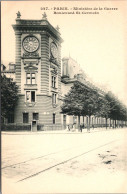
{"x": 41, "y": 79}
{"x": 38, "y": 72}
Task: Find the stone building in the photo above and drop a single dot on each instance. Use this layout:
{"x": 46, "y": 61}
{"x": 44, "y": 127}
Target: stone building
{"x": 37, "y": 71}
{"x": 8, "y": 71}
{"x": 72, "y": 72}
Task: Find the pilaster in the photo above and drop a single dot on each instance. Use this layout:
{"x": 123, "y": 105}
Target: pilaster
{"x": 44, "y": 63}
{"x": 18, "y": 60}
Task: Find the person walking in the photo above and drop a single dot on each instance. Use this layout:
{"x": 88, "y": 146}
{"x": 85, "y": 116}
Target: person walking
{"x": 81, "y": 128}
{"x": 68, "y": 127}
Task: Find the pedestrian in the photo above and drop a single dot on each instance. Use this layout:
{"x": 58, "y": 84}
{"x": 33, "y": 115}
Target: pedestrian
{"x": 73, "y": 126}
{"x": 81, "y": 128}
{"x": 93, "y": 126}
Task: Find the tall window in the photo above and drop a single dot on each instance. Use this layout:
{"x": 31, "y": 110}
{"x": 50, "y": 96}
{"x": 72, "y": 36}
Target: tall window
{"x": 30, "y": 96}
{"x": 64, "y": 121}
{"x": 35, "y": 116}
{"x": 54, "y": 118}
{"x": 30, "y": 78}
{"x": 74, "y": 119}
{"x": 11, "y": 118}
{"x": 25, "y": 117}
{"x": 54, "y": 98}
{"x": 53, "y": 81}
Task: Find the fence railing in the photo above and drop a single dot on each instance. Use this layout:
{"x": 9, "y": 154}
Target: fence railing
{"x": 15, "y": 127}
{"x": 53, "y": 127}
{"x": 42, "y": 127}
{"x": 27, "y": 127}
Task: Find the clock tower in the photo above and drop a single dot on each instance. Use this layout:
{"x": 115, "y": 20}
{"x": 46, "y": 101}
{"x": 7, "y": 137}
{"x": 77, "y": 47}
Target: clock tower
{"x": 38, "y": 72}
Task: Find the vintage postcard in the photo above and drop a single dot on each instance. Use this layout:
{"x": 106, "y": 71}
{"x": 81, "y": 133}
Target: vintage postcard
{"x": 63, "y": 97}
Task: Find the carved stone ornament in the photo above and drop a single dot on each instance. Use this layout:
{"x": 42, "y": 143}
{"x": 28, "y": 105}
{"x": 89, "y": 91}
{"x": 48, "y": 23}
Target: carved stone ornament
{"x": 30, "y": 68}
{"x": 30, "y": 104}
{"x": 53, "y": 67}
{"x": 54, "y": 105}
{"x": 54, "y": 61}
{"x": 57, "y": 28}
{"x": 18, "y": 15}
{"x": 31, "y": 55}
{"x": 30, "y": 61}
{"x": 54, "y": 71}
{"x": 44, "y": 16}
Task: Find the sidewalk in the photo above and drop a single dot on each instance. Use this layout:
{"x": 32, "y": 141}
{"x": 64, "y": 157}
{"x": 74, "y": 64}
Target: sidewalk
{"x": 57, "y": 131}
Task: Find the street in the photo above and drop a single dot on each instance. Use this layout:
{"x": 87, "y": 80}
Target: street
{"x": 64, "y": 162}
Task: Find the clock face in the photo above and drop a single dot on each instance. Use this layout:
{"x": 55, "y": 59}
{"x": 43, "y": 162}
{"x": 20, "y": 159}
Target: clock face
{"x": 54, "y": 50}
{"x": 30, "y": 44}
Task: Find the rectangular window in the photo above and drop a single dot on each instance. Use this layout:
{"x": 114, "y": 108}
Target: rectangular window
{"x": 25, "y": 117}
{"x": 30, "y": 96}
{"x": 64, "y": 120}
{"x": 54, "y": 98}
{"x": 74, "y": 119}
{"x": 11, "y": 118}
{"x": 53, "y": 81}
{"x": 30, "y": 78}
{"x": 35, "y": 116}
{"x": 54, "y": 118}
{"x": 33, "y": 78}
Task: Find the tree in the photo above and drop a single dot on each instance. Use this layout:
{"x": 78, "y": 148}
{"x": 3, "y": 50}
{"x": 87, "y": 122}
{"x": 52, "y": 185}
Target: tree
{"x": 9, "y": 96}
{"x": 90, "y": 100}
{"x": 117, "y": 109}
{"x": 85, "y": 101}
{"x": 72, "y": 103}
{"x": 80, "y": 101}
{"x": 103, "y": 108}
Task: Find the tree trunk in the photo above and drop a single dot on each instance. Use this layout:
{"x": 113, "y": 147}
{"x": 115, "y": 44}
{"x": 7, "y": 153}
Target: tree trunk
{"x": 122, "y": 124}
{"x": 119, "y": 123}
{"x": 110, "y": 124}
{"x": 89, "y": 122}
{"x": 78, "y": 122}
{"x": 115, "y": 123}
{"x": 106, "y": 122}
{"x": 97, "y": 122}
{"x": 101, "y": 122}
{"x": 83, "y": 121}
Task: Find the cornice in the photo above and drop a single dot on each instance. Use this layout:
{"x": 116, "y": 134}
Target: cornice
{"x": 39, "y": 26}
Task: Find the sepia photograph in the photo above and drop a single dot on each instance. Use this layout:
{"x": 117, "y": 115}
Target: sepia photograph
{"x": 63, "y": 97}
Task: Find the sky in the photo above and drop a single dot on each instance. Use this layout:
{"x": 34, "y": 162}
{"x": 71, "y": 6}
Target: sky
{"x": 98, "y": 42}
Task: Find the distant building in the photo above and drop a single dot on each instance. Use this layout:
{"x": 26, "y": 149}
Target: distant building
{"x": 8, "y": 70}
